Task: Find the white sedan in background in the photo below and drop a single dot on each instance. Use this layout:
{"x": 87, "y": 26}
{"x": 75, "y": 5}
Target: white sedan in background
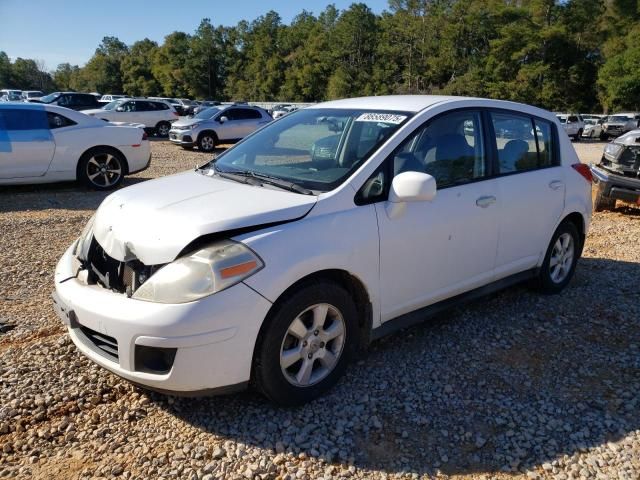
{"x": 47, "y": 143}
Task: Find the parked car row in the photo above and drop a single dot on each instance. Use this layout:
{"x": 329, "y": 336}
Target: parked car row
{"x": 603, "y": 127}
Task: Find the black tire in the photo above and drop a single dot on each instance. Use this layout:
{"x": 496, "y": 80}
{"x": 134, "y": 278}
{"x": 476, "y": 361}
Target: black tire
{"x": 602, "y": 203}
{"x": 268, "y": 375}
{"x": 102, "y": 168}
{"x": 207, "y": 141}
{"x": 545, "y": 281}
{"x": 578, "y": 136}
{"x": 187, "y": 147}
{"x": 162, "y": 129}
{"x": 604, "y": 136}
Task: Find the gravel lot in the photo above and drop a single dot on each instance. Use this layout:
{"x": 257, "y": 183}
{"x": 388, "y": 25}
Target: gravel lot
{"x": 517, "y": 384}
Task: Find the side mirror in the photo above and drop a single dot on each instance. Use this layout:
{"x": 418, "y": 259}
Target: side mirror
{"x": 223, "y": 119}
{"x": 119, "y": 109}
{"x": 410, "y": 187}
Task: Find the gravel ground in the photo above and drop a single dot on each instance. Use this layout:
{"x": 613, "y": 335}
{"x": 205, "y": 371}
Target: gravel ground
{"x": 517, "y": 384}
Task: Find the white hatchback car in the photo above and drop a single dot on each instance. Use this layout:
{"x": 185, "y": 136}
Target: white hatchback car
{"x": 329, "y": 228}
{"x": 46, "y": 143}
{"x": 155, "y": 115}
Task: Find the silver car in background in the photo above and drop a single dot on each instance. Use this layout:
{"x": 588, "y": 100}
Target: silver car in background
{"x": 215, "y": 125}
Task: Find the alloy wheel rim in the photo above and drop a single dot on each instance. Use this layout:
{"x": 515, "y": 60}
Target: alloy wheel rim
{"x": 561, "y": 258}
{"x": 104, "y": 170}
{"x": 312, "y": 345}
{"x": 163, "y": 130}
{"x": 207, "y": 143}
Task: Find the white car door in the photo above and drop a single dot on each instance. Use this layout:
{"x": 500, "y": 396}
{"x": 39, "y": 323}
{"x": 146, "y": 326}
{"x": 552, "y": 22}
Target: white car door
{"x": 26, "y": 143}
{"x": 231, "y": 129}
{"x": 430, "y": 251}
{"x": 531, "y": 187}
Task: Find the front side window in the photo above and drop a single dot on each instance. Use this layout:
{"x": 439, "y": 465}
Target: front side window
{"x": 315, "y": 148}
{"x": 517, "y": 147}
{"x": 450, "y": 148}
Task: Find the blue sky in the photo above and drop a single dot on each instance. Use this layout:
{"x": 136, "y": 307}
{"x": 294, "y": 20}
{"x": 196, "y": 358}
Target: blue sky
{"x": 70, "y": 30}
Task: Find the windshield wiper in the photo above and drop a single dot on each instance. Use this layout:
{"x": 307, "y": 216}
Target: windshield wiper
{"x": 237, "y": 177}
{"x": 268, "y": 179}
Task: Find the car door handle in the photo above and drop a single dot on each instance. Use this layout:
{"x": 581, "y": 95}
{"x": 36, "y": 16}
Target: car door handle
{"x": 484, "y": 202}
{"x": 556, "y": 184}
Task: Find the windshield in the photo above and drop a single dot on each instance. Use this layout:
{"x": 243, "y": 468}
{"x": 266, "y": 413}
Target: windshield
{"x": 34, "y": 94}
{"x": 112, "y": 105}
{"x": 50, "y": 98}
{"x": 618, "y": 118}
{"x": 590, "y": 121}
{"x": 316, "y": 148}
{"x": 562, "y": 119}
{"x": 207, "y": 113}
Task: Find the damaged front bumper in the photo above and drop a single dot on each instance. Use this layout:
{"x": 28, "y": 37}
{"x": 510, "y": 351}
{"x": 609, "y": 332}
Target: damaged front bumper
{"x": 199, "y": 347}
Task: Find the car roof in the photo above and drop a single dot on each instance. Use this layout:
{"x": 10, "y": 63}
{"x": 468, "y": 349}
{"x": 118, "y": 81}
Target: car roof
{"x": 406, "y": 103}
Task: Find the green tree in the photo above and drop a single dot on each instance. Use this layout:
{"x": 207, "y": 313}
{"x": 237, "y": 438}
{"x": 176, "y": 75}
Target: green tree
{"x": 169, "y": 63}
{"x": 619, "y": 77}
{"x": 206, "y": 64}
{"x": 103, "y": 73}
{"x": 5, "y": 70}
{"x": 137, "y": 77}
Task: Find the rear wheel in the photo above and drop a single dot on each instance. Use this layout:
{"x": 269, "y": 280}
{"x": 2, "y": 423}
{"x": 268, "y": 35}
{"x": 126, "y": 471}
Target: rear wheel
{"x": 207, "y": 141}
{"x": 101, "y": 169}
{"x": 306, "y": 344}
{"x": 560, "y": 260}
{"x": 162, "y": 129}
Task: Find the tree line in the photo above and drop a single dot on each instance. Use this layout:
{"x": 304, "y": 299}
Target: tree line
{"x": 579, "y": 55}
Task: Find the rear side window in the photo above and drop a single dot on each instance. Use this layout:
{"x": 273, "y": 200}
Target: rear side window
{"x": 518, "y": 148}
{"x": 56, "y": 120}
{"x": 19, "y": 119}
{"x": 159, "y": 105}
{"x": 248, "y": 114}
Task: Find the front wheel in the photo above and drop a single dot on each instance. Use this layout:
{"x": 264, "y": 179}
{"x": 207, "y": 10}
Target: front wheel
{"x": 560, "y": 260}
{"x": 306, "y": 343}
{"x": 101, "y": 169}
{"x": 162, "y": 129}
{"x": 207, "y": 142}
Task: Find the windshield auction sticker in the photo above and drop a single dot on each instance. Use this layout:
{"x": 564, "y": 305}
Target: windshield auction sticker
{"x": 381, "y": 117}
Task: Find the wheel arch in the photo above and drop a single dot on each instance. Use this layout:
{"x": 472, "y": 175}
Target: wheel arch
{"x": 346, "y": 280}
{"x": 102, "y": 147}
{"x": 207, "y": 130}
{"x": 579, "y": 222}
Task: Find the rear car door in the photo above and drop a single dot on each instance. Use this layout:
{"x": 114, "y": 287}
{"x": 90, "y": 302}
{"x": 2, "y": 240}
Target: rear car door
{"x": 531, "y": 185}
{"x": 26, "y": 143}
{"x": 251, "y": 120}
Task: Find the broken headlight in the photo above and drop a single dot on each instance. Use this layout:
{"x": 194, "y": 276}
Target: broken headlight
{"x": 203, "y": 273}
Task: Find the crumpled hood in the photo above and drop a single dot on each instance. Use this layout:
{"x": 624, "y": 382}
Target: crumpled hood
{"x": 155, "y": 220}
